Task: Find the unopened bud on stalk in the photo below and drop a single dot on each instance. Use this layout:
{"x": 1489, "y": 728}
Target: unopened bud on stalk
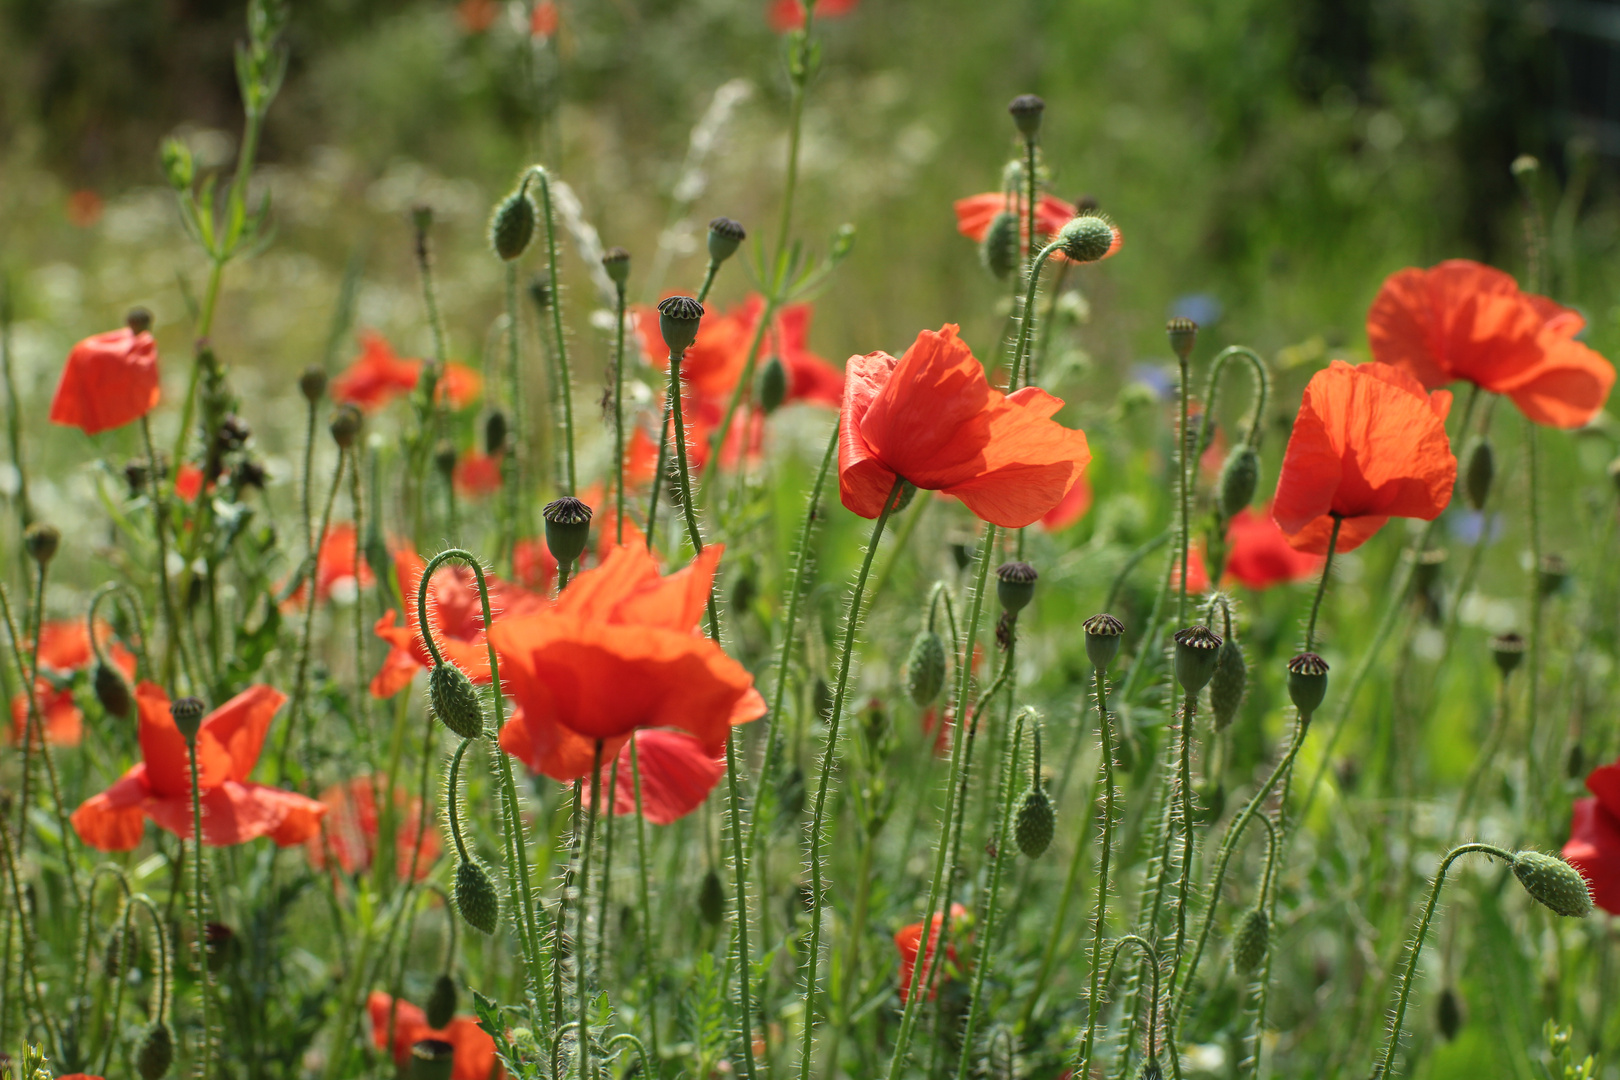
{"x": 441, "y": 1002}
{"x": 925, "y": 667}
{"x": 1198, "y": 650}
{"x": 312, "y": 383}
{"x": 1026, "y": 110}
{"x": 1015, "y": 586}
{"x": 616, "y": 261}
{"x": 1103, "y": 635}
{"x": 139, "y": 320}
{"x": 568, "y": 528}
{"x": 1307, "y": 682}
{"x": 345, "y": 426}
{"x": 1448, "y": 1014}
{"x": 476, "y": 897}
{"x": 1426, "y": 571}
{"x": 999, "y": 249}
{"x": 540, "y": 293}
{"x": 1507, "y": 650}
{"x": 178, "y": 167}
{"x": 495, "y": 432}
{"x": 1479, "y": 469}
{"x": 712, "y": 899}
{"x": 1553, "y": 882}
{"x": 112, "y": 690}
{"x": 1151, "y": 1070}
{"x": 1575, "y": 761}
{"x": 41, "y": 542}
{"x": 432, "y": 1059}
{"x": 455, "y": 700}
{"x": 1250, "y": 944}
{"x": 119, "y": 955}
{"x": 444, "y": 458}
{"x": 1228, "y": 684}
{"x": 1240, "y": 475}
{"x": 1035, "y": 823}
{"x": 512, "y": 225}
{"x": 156, "y": 1052}
{"x": 188, "y": 714}
{"x": 771, "y": 387}
{"x": 1183, "y": 334}
{"x": 1551, "y": 573}
{"x": 1087, "y": 238}
{"x": 678, "y": 319}
{"x": 725, "y": 236}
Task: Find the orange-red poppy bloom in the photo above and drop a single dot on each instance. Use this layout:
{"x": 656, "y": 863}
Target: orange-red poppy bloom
{"x": 336, "y": 565}
{"x": 909, "y": 940}
{"x": 976, "y": 213}
{"x": 188, "y": 483}
{"x": 478, "y": 474}
{"x": 1197, "y": 572}
{"x": 110, "y": 380}
{"x": 534, "y": 567}
{"x": 789, "y": 14}
{"x": 64, "y": 647}
{"x": 677, "y": 774}
{"x": 474, "y": 1056}
{"x": 477, "y": 16}
{"x": 811, "y": 379}
{"x": 617, "y": 652}
{"x": 1594, "y": 837}
{"x": 1464, "y": 320}
{"x": 711, "y": 367}
{"x": 1260, "y": 556}
{"x": 352, "y": 822}
{"x": 933, "y": 418}
{"x": 84, "y": 208}
{"x": 235, "y": 810}
{"x": 543, "y": 20}
{"x": 1070, "y": 509}
{"x": 1369, "y": 444}
{"x": 379, "y": 375}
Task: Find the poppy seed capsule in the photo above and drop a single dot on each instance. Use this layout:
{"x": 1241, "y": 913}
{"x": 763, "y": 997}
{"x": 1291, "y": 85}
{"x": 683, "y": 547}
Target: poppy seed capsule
{"x": 1035, "y": 823}
{"x": 1183, "y": 334}
{"x": 1015, "y": 586}
{"x": 512, "y": 226}
{"x": 312, "y": 383}
{"x": 568, "y": 528}
{"x": 1307, "y": 682}
{"x": 1249, "y": 946}
{"x": 1551, "y": 573}
{"x": 711, "y": 899}
{"x": 495, "y": 433}
{"x": 432, "y": 1059}
{"x": 616, "y": 261}
{"x": 1198, "y": 650}
{"x": 156, "y": 1054}
{"x": 1230, "y": 680}
{"x": 112, "y": 690}
{"x": 41, "y": 541}
{"x": 1240, "y": 475}
{"x": 1087, "y": 238}
{"x": 1103, "y": 635}
{"x": 476, "y": 897}
{"x": 1507, "y": 650}
{"x": 725, "y": 236}
{"x": 771, "y": 388}
{"x": 345, "y": 425}
{"x": 188, "y": 714}
{"x": 1553, "y": 882}
{"x": 1026, "y": 110}
{"x": 441, "y": 1002}
{"x": 1478, "y": 472}
{"x": 678, "y": 319}
{"x": 455, "y": 701}
{"x": 999, "y": 249}
{"x": 1448, "y": 1014}
{"x": 925, "y": 667}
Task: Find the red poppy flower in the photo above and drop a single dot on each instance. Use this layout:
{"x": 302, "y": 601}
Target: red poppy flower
{"x": 109, "y": 380}
{"x": 64, "y": 647}
{"x": 619, "y": 651}
{"x": 677, "y": 774}
{"x": 810, "y": 378}
{"x": 543, "y": 20}
{"x": 84, "y": 208}
{"x": 458, "y": 622}
{"x": 351, "y": 830}
{"x": 477, "y": 16}
{"x": 933, "y": 418}
{"x": 1260, "y": 556}
{"x": 1070, "y": 509}
{"x": 1464, "y": 320}
{"x": 1368, "y": 445}
{"x": 1594, "y": 837}
{"x": 188, "y": 483}
{"x": 908, "y": 939}
{"x": 459, "y": 385}
{"x": 235, "y": 810}
{"x": 533, "y": 565}
{"x": 1197, "y": 572}
{"x": 77, "y": 1076}
{"x": 336, "y": 566}
{"x": 789, "y": 14}
{"x": 474, "y": 1056}
{"x": 377, "y": 377}
{"x": 975, "y": 214}
{"x": 478, "y": 474}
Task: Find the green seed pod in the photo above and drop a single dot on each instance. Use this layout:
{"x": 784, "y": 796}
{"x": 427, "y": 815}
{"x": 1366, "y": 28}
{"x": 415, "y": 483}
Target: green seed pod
{"x": 1554, "y": 883}
{"x": 432, "y": 1059}
{"x": 1087, "y": 239}
{"x": 188, "y": 714}
{"x": 1035, "y": 823}
{"x": 1507, "y": 650}
{"x": 568, "y": 528}
{"x": 476, "y": 897}
{"x": 1479, "y": 469}
{"x": 112, "y": 690}
{"x": 455, "y": 700}
{"x": 712, "y": 899}
{"x": 1575, "y": 762}
{"x": 999, "y": 248}
{"x": 41, "y": 541}
{"x": 441, "y": 1002}
{"x": 495, "y": 432}
{"x": 771, "y": 387}
{"x": 678, "y": 319}
{"x": 1183, "y": 335}
{"x": 616, "y": 261}
{"x": 312, "y": 383}
{"x": 345, "y": 425}
{"x": 1015, "y": 586}
{"x": 120, "y": 954}
{"x": 1240, "y": 475}
{"x": 1249, "y": 946}
{"x": 1230, "y": 680}
{"x": 156, "y": 1053}
{"x": 725, "y": 236}
{"x": 1307, "y": 682}
{"x": 1198, "y": 650}
{"x": 1551, "y": 573}
{"x": 512, "y": 226}
{"x": 1448, "y": 1014}
{"x": 925, "y": 667}
{"x": 1103, "y": 635}
{"x": 1026, "y": 112}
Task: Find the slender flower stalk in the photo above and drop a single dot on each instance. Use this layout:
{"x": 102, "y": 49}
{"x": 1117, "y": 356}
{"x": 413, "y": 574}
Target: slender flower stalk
{"x": 25, "y": 510}
{"x": 1100, "y": 919}
{"x": 583, "y": 1066}
{"x": 173, "y": 638}
{"x": 1026, "y": 326}
{"x": 649, "y": 980}
{"x": 199, "y": 905}
{"x": 1321, "y": 586}
{"x": 618, "y": 415}
{"x": 517, "y": 447}
{"x": 1532, "y": 659}
{"x": 565, "y": 385}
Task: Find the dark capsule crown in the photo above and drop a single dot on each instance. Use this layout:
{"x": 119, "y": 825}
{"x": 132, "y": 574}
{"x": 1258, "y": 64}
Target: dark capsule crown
{"x": 312, "y": 383}
{"x": 188, "y": 714}
{"x": 616, "y": 261}
{"x": 41, "y": 541}
{"x": 1015, "y": 586}
{"x": 1198, "y": 650}
{"x": 1307, "y": 681}
{"x": 1183, "y": 333}
{"x": 568, "y": 528}
{"x": 1026, "y": 110}
{"x": 139, "y": 320}
{"x": 1103, "y": 636}
{"x": 1507, "y": 650}
{"x": 678, "y": 318}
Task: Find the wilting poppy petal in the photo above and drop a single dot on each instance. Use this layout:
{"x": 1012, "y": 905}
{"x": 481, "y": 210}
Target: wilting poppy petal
{"x": 109, "y": 380}
{"x": 64, "y": 723}
{"x": 1071, "y": 509}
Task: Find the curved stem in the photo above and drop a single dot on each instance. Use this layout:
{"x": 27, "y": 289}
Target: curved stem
{"x": 1262, "y": 388}
{"x": 1189, "y": 714}
{"x": 1150, "y": 958}
{"x": 136, "y": 614}
{"x": 1027, "y": 327}
{"x": 1321, "y": 586}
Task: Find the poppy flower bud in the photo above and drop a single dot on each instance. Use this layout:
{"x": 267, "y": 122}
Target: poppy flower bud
{"x": 1448, "y": 1014}
{"x": 139, "y": 320}
{"x": 1479, "y": 469}
{"x": 1249, "y": 946}
{"x": 1026, "y": 110}
{"x": 925, "y": 667}
{"x": 495, "y": 433}
{"x": 178, "y": 167}
{"x": 41, "y": 541}
{"x": 188, "y": 714}
{"x": 112, "y": 690}
{"x": 312, "y": 383}
{"x": 432, "y": 1059}
{"x": 678, "y": 318}
{"x": 156, "y": 1053}
{"x": 568, "y": 528}
{"x": 1554, "y": 883}
{"x": 1507, "y": 650}
{"x": 476, "y": 897}
{"x": 540, "y": 293}
{"x": 455, "y": 701}
{"x": 1103, "y": 635}
{"x": 1426, "y": 571}
{"x": 1151, "y": 1070}
{"x": 1240, "y": 475}
{"x": 1035, "y": 823}
{"x": 444, "y": 457}
{"x": 1307, "y": 682}
{"x": 1015, "y": 586}
{"x": 512, "y": 226}
{"x": 771, "y": 388}
{"x": 616, "y": 261}
{"x": 725, "y": 236}
{"x": 1198, "y": 650}
{"x": 1087, "y": 204}
{"x": 1183, "y": 334}
{"x": 345, "y": 425}
{"x": 1575, "y": 762}
{"x": 1087, "y": 238}
{"x": 712, "y": 899}
{"x": 1551, "y": 573}
{"x": 999, "y": 248}
{"x": 441, "y": 1002}
{"x": 1227, "y": 686}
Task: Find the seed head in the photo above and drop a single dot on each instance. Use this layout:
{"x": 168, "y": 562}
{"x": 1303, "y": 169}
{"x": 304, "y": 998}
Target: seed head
{"x": 725, "y": 236}
{"x": 1086, "y": 238}
{"x": 568, "y": 528}
{"x": 1183, "y": 334}
{"x": 1507, "y": 650}
{"x": 441, "y": 1002}
{"x": 1015, "y": 586}
{"x": 346, "y": 422}
{"x": 41, "y": 541}
{"x": 678, "y": 318}
{"x": 455, "y": 701}
{"x": 188, "y": 714}
{"x": 1228, "y": 684}
{"x": 139, "y": 320}
{"x": 312, "y": 383}
{"x": 1551, "y": 573}
{"x": 476, "y": 898}
{"x": 925, "y": 667}
{"x": 1026, "y": 110}
{"x": 1198, "y": 650}
{"x": 1554, "y": 883}
{"x": 431, "y": 1059}
{"x": 1103, "y": 635}
{"x": 1307, "y": 682}
{"x": 616, "y": 261}
{"x": 999, "y": 249}
{"x": 512, "y": 226}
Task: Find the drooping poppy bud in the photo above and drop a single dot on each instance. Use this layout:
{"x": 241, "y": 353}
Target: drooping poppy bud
{"x": 1198, "y": 650}
{"x": 495, "y": 433}
{"x": 1230, "y": 680}
{"x": 1479, "y": 469}
{"x": 1554, "y": 883}
{"x": 512, "y": 225}
{"x": 1240, "y": 475}
{"x": 1448, "y": 1014}
{"x": 1035, "y": 823}
{"x": 188, "y": 714}
{"x": 120, "y": 954}
{"x": 312, "y": 383}
{"x": 432, "y": 1059}
{"x": 41, "y": 542}
{"x": 568, "y": 528}
{"x": 1507, "y": 650}
{"x": 725, "y": 236}
{"x": 1307, "y": 682}
{"x": 1103, "y": 635}
{"x": 346, "y": 425}
{"x": 1183, "y": 334}
{"x": 455, "y": 700}
{"x": 156, "y": 1052}
{"x": 1575, "y": 762}
{"x": 771, "y": 388}
{"x": 925, "y": 667}
{"x": 678, "y": 319}
{"x": 476, "y": 898}
{"x": 441, "y": 1002}
{"x": 712, "y": 899}
{"x": 112, "y": 690}
{"x": 1151, "y": 1070}
{"x": 616, "y": 261}
{"x": 999, "y": 248}
{"x": 1026, "y": 110}
{"x": 1087, "y": 239}
{"x": 444, "y": 458}
{"x": 1015, "y": 586}
{"x": 1250, "y": 944}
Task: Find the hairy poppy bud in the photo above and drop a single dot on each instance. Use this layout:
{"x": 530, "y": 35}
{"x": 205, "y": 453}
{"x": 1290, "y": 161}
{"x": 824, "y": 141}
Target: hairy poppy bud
{"x": 1183, "y": 334}
{"x": 1198, "y": 650}
{"x": 495, "y": 432}
{"x": 616, "y": 261}
{"x": 678, "y": 319}
{"x": 1087, "y": 238}
{"x": 712, "y": 899}
{"x": 1103, "y": 635}
{"x": 346, "y": 425}
{"x": 568, "y": 528}
{"x": 188, "y": 714}
{"x": 432, "y": 1059}
{"x": 1249, "y": 946}
{"x": 441, "y": 1002}
{"x": 771, "y": 388}
{"x": 512, "y": 226}
{"x": 455, "y": 701}
{"x": 999, "y": 248}
{"x": 925, "y": 667}
{"x": 1230, "y": 680}
{"x": 112, "y": 690}
{"x": 1026, "y": 110}
{"x": 1551, "y": 573}
{"x": 1448, "y": 1014}
{"x": 725, "y": 236}
{"x": 41, "y": 541}
{"x": 1240, "y": 475}
{"x": 1151, "y": 1070}
{"x": 1479, "y": 469}
{"x": 178, "y": 167}
{"x": 1035, "y": 823}
{"x": 156, "y": 1052}
{"x": 1554, "y": 883}
{"x": 476, "y": 897}
{"x": 312, "y": 383}
{"x": 1507, "y": 650}
{"x": 1307, "y": 682}
{"x": 1015, "y": 586}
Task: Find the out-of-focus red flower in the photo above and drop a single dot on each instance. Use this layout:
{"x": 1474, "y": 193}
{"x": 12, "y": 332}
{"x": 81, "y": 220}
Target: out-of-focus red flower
{"x": 336, "y": 563}
{"x": 1464, "y": 320}
{"x": 459, "y": 386}
{"x": 474, "y": 1055}
{"x": 1197, "y": 572}
{"x": 77, "y": 1076}
{"x": 352, "y": 822}
{"x": 909, "y": 940}
{"x": 677, "y": 774}
{"x": 377, "y": 376}
{"x": 1594, "y": 837}
{"x": 543, "y": 20}
{"x": 619, "y": 651}
{"x": 933, "y": 418}
{"x": 64, "y": 647}
{"x": 188, "y": 483}
{"x": 533, "y": 565}
{"x": 478, "y": 474}
{"x": 477, "y": 16}
{"x": 712, "y": 365}
{"x": 789, "y": 14}
{"x": 235, "y": 810}
{"x": 1368, "y": 444}
{"x": 811, "y": 379}
{"x": 110, "y": 380}
{"x": 1260, "y": 556}
{"x": 84, "y": 208}
{"x": 1070, "y": 509}
{"x": 976, "y": 213}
